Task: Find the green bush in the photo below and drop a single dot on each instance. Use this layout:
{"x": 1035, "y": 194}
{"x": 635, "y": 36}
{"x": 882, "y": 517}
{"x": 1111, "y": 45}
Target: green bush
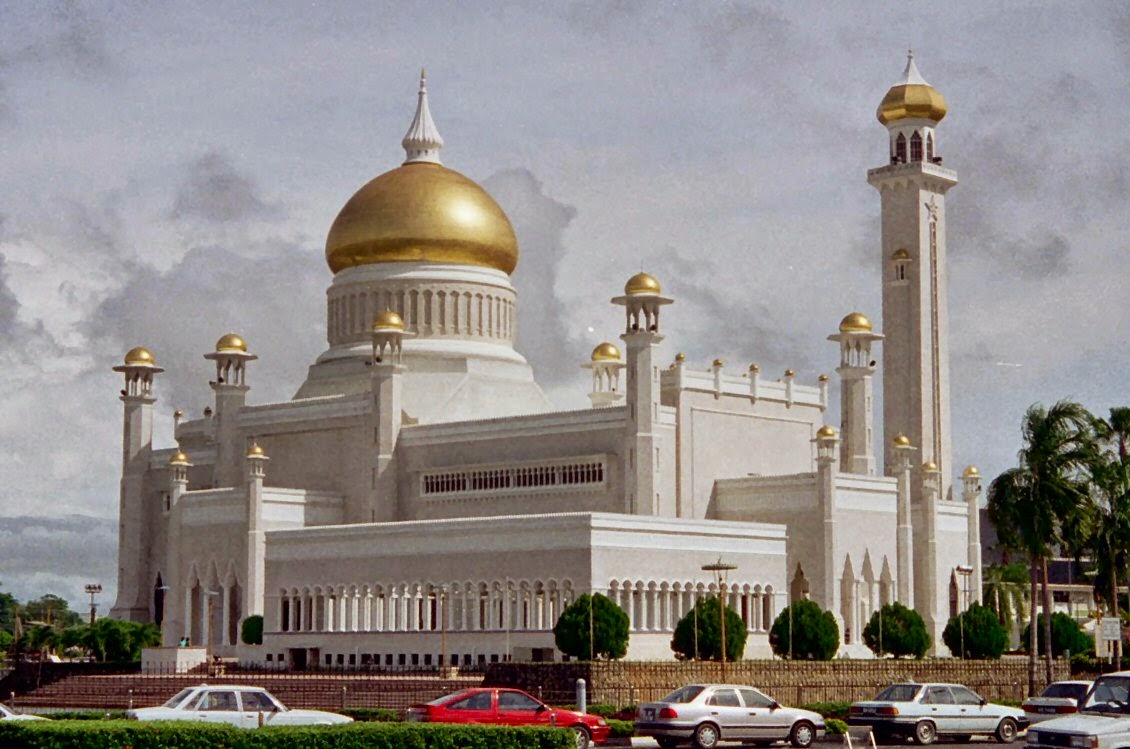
{"x": 838, "y": 710}
{"x": 984, "y": 636}
{"x": 88, "y": 715}
{"x": 252, "y": 630}
{"x": 709, "y": 638}
{"x": 621, "y": 729}
{"x": 835, "y": 727}
{"x": 815, "y": 634}
{"x": 594, "y": 622}
{"x": 897, "y": 630}
{"x": 372, "y": 714}
{"x": 1066, "y": 635}
{"x": 118, "y": 734}
{"x": 602, "y": 709}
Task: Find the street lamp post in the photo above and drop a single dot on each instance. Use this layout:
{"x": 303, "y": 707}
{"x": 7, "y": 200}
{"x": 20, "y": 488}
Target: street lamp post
{"x": 720, "y": 569}
{"x": 93, "y": 589}
{"x": 443, "y": 633}
{"x": 965, "y": 571}
{"x": 210, "y": 595}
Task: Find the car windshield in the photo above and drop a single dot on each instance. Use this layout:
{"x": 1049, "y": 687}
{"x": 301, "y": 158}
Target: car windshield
{"x": 683, "y": 694}
{"x": 899, "y": 693}
{"x": 5, "y": 711}
{"x": 1063, "y": 689}
{"x": 1110, "y": 694}
{"x": 446, "y": 697}
{"x": 180, "y": 696}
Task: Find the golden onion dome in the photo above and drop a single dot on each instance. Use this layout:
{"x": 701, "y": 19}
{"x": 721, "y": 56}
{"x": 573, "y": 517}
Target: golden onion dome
{"x": 422, "y": 212}
{"x": 855, "y": 322}
{"x": 901, "y": 440}
{"x": 825, "y": 431}
{"x": 930, "y": 466}
{"x": 901, "y": 254}
{"x": 719, "y": 363}
{"x": 680, "y": 357}
{"x": 231, "y": 343}
{"x": 179, "y": 458}
{"x": 970, "y": 472}
{"x": 387, "y": 320}
{"x": 255, "y": 451}
{"x": 139, "y": 356}
{"x": 606, "y": 352}
{"x": 642, "y": 284}
{"x": 911, "y": 98}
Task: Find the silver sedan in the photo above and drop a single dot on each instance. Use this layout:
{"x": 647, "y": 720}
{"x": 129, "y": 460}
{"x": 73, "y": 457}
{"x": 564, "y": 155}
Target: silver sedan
{"x": 708, "y": 713}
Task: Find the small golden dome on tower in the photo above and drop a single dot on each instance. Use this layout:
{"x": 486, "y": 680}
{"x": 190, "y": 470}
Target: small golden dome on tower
{"x": 901, "y": 254}
{"x": 139, "y": 356}
{"x": 823, "y": 378}
{"x": 387, "y": 320}
{"x": 231, "y": 343}
{"x": 178, "y": 414}
{"x": 930, "y": 466}
{"x": 790, "y": 373}
{"x": 911, "y": 98}
{"x": 825, "y": 431}
{"x": 179, "y": 458}
{"x": 901, "y": 440}
{"x": 680, "y": 357}
{"x": 255, "y": 451}
{"x": 855, "y": 322}
{"x": 754, "y": 368}
{"x": 719, "y": 363}
{"x": 606, "y": 352}
{"x": 970, "y": 472}
{"x": 641, "y": 284}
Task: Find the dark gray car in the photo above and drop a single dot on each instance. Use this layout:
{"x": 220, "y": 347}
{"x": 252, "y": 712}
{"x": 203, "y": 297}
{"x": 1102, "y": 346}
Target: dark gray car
{"x": 708, "y": 713}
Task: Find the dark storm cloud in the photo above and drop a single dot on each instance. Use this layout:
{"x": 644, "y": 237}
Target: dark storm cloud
{"x": 539, "y": 222}
{"x": 9, "y": 305}
{"x": 214, "y": 191}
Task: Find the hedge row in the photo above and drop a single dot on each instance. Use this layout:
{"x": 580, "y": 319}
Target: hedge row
{"x": 120, "y": 734}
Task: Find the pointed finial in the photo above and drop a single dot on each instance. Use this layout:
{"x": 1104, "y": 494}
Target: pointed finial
{"x": 911, "y": 76}
{"x": 422, "y": 142}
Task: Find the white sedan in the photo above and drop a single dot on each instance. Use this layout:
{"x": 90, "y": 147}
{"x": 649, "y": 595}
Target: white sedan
{"x": 925, "y": 711}
{"x": 6, "y": 713}
{"x": 245, "y": 707}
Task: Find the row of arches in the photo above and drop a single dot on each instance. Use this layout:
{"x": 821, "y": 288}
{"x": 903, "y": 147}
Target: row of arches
{"x": 426, "y": 312}
{"x": 920, "y": 148}
{"x": 657, "y": 606}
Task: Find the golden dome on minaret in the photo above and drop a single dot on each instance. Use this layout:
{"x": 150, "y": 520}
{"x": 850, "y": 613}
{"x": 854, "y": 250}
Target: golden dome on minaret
{"x": 930, "y": 466}
{"x": 179, "y": 458}
{"x": 901, "y": 440}
{"x": 606, "y": 352}
{"x": 139, "y": 356}
{"x": 971, "y": 472}
{"x": 255, "y": 451}
{"x": 642, "y": 283}
{"x": 855, "y": 322}
{"x": 422, "y": 212}
{"x": 387, "y": 320}
{"x": 826, "y": 431}
{"x": 911, "y": 98}
{"x": 231, "y": 343}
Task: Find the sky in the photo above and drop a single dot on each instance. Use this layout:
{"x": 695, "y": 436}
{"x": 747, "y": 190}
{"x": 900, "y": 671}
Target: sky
{"x": 168, "y": 173}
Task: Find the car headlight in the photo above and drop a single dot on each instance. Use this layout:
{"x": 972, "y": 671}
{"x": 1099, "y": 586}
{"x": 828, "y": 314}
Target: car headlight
{"x": 1033, "y": 737}
{"x": 601, "y": 722}
{"x": 1089, "y": 742}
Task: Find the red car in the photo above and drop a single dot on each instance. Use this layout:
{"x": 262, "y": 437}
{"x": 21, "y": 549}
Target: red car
{"x": 508, "y": 707}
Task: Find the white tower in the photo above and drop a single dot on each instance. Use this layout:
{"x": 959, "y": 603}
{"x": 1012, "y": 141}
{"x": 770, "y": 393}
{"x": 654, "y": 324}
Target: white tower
{"x": 606, "y": 367}
{"x": 386, "y": 383}
{"x": 230, "y": 388}
{"x": 912, "y": 189}
{"x": 856, "y": 372}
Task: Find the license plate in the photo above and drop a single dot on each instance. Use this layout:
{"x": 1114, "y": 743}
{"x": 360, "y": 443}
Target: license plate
{"x": 649, "y": 713}
{"x": 1045, "y": 710}
{"x": 868, "y": 711}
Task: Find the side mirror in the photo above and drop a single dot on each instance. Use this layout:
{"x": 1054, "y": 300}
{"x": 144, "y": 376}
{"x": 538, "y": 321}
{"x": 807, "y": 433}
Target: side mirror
{"x": 542, "y": 708}
{"x": 984, "y": 702}
{"x": 774, "y": 705}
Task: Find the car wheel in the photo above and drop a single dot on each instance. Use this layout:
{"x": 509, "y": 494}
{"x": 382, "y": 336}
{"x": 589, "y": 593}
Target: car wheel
{"x": 925, "y": 733}
{"x": 1006, "y": 731}
{"x": 706, "y": 736}
{"x": 581, "y": 734}
{"x": 802, "y": 734}
{"x": 667, "y": 742}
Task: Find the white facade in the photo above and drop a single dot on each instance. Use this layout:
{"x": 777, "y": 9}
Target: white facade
{"x": 419, "y": 497}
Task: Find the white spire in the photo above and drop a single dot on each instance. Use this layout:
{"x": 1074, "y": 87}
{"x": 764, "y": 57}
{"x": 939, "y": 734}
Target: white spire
{"x": 911, "y": 74}
{"x": 422, "y": 141}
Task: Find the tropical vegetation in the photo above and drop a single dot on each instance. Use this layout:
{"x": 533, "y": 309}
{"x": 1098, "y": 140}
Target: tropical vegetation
{"x": 896, "y": 630}
{"x": 804, "y": 631}
{"x": 698, "y": 635}
{"x": 976, "y": 633}
{"x": 592, "y": 627}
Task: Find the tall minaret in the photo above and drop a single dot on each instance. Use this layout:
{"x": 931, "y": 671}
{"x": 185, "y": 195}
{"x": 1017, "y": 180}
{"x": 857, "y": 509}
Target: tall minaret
{"x": 230, "y": 388}
{"x": 642, "y": 300}
{"x": 912, "y": 189}
{"x": 137, "y": 398}
{"x": 856, "y": 370}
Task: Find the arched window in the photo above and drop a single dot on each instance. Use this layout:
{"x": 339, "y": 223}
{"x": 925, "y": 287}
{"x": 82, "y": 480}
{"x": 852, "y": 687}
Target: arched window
{"x": 900, "y": 149}
{"x": 929, "y": 147}
{"x": 916, "y": 147}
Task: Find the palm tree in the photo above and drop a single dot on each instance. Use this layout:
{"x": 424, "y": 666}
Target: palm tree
{"x": 1006, "y": 593}
{"x": 1110, "y": 533}
{"x": 1039, "y": 506}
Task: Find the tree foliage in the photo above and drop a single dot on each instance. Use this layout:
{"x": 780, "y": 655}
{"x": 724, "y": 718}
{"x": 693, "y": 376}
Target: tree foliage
{"x": 1066, "y": 635}
{"x": 52, "y": 610}
{"x": 709, "y": 638}
{"x": 814, "y": 633}
{"x": 588, "y": 632}
{"x": 897, "y": 630}
{"x": 251, "y": 633}
{"x": 979, "y": 630}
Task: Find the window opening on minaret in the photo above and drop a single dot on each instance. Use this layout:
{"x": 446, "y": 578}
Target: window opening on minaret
{"x": 929, "y": 147}
{"x": 900, "y": 149}
{"x": 916, "y": 147}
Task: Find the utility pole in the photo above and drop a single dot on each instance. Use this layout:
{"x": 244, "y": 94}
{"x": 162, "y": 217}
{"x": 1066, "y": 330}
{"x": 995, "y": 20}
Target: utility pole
{"x": 93, "y": 589}
{"x": 720, "y": 569}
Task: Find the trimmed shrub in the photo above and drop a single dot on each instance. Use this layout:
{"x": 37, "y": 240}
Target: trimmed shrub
{"x": 815, "y": 634}
{"x": 621, "y": 729}
{"x": 709, "y": 639}
{"x": 184, "y": 735}
{"x": 897, "y": 630}
{"x": 985, "y": 637}
{"x": 371, "y": 714}
{"x": 251, "y": 633}
{"x": 837, "y": 710}
{"x": 1066, "y": 635}
{"x": 835, "y": 727}
{"x": 603, "y": 626}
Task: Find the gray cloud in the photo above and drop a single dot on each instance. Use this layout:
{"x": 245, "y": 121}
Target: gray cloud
{"x": 539, "y": 223}
{"x": 59, "y": 555}
{"x": 214, "y": 191}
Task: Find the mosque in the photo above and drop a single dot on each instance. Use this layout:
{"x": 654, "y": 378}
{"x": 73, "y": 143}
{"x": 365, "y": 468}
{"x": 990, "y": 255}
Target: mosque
{"x": 419, "y": 501}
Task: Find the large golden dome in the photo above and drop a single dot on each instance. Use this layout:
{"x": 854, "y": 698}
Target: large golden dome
{"x": 912, "y": 98}
{"x": 422, "y": 211}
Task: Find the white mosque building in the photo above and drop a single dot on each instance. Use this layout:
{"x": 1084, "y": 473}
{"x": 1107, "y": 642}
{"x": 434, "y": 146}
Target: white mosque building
{"x": 419, "y": 499}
